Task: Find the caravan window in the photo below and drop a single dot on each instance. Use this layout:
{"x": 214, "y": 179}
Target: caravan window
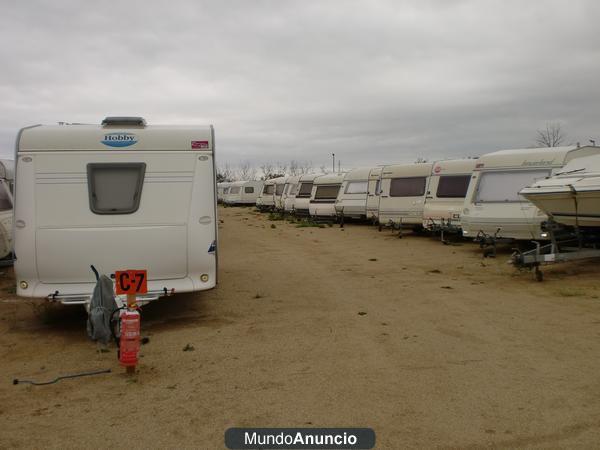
{"x": 293, "y": 190}
{"x": 504, "y": 186}
{"x": 115, "y": 188}
{"x": 234, "y": 190}
{"x": 5, "y": 201}
{"x": 356, "y": 187}
{"x": 279, "y": 189}
{"x": 453, "y": 186}
{"x": 269, "y": 189}
{"x": 249, "y": 190}
{"x": 305, "y": 190}
{"x": 327, "y": 192}
{"x": 407, "y": 187}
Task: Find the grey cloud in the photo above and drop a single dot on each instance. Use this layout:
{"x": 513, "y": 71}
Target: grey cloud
{"x": 373, "y": 82}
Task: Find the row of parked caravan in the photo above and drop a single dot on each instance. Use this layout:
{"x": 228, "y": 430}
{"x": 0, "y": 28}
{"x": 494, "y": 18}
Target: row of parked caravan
{"x": 476, "y": 197}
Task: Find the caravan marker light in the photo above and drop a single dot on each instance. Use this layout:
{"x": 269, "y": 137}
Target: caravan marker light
{"x": 23, "y": 285}
{"x": 204, "y": 278}
{"x": 119, "y": 139}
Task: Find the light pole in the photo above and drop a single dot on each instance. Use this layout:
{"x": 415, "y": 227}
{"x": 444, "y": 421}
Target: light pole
{"x": 333, "y": 158}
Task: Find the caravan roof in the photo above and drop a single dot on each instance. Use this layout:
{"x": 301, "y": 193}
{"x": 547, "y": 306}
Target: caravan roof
{"x": 329, "y": 178}
{"x": 52, "y": 138}
{"x": 527, "y": 157}
{"x": 406, "y": 170}
{"x": 453, "y": 166}
{"x": 361, "y": 173}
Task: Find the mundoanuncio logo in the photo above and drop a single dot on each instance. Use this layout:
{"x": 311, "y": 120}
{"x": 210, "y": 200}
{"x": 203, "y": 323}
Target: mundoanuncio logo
{"x": 119, "y": 139}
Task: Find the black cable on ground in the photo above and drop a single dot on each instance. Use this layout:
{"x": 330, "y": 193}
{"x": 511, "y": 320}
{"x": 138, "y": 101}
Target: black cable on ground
{"x": 76, "y": 375}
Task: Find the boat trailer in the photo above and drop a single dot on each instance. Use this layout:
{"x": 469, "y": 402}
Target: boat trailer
{"x": 566, "y": 244}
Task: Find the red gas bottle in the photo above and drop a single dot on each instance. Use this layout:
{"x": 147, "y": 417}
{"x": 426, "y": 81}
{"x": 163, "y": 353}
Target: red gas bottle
{"x": 129, "y": 346}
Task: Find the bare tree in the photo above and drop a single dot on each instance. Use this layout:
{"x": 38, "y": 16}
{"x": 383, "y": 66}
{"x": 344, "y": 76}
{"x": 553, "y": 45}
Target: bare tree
{"x": 552, "y": 136}
{"x": 225, "y": 173}
{"x": 281, "y": 169}
{"x": 324, "y": 169}
{"x": 267, "y": 170}
{"x": 246, "y": 171}
{"x": 305, "y": 167}
{"x": 294, "y": 168}
{"x": 420, "y": 159}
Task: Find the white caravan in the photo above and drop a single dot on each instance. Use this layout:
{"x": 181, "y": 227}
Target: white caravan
{"x": 221, "y": 188}
{"x": 243, "y": 193}
{"x": 446, "y": 193}
{"x": 266, "y": 199}
{"x": 374, "y": 194}
{"x": 279, "y": 187}
{"x": 324, "y": 194}
{"x": 120, "y": 195}
{"x": 289, "y": 193}
{"x": 302, "y": 199}
{"x": 403, "y": 191}
{"x": 352, "y": 198}
{"x": 7, "y": 177}
{"x": 493, "y": 207}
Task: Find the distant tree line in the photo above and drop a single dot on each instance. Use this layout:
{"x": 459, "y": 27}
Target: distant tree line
{"x": 266, "y": 171}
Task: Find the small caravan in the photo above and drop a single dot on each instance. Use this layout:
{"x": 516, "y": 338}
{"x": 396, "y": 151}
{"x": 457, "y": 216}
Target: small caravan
{"x": 7, "y": 177}
{"x": 303, "y": 193}
{"x": 289, "y": 193}
{"x": 493, "y": 207}
{"x": 221, "y": 188}
{"x": 374, "y": 194}
{"x": 403, "y": 192}
{"x": 120, "y": 195}
{"x": 279, "y": 187}
{"x": 243, "y": 193}
{"x": 352, "y": 199}
{"x": 446, "y": 193}
{"x": 324, "y": 194}
{"x": 266, "y": 199}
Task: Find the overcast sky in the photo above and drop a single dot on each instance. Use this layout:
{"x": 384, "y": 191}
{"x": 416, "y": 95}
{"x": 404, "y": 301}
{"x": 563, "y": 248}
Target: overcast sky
{"x": 373, "y": 81}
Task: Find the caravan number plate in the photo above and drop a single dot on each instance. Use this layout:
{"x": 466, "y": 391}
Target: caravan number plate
{"x": 131, "y": 282}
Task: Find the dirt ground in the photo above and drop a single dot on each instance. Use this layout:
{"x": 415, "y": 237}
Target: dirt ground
{"x": 428, "y": 344}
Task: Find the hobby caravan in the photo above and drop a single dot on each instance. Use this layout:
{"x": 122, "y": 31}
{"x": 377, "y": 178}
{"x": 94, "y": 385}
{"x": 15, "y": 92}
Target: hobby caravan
{"x": 120, "y": 195}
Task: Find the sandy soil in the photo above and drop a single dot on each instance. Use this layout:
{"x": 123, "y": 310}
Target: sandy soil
{"x": 430, "y": 345}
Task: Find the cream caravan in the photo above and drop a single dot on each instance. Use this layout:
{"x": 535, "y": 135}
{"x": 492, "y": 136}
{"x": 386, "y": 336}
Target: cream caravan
{"x": 324, "y": 194}
{"x": 373, "y": 194}
{"x": 493, "y": 207}
{"x": 303, "y": 193}
{"x": 243, "y": 193}
{"x": 7, "y": 177}
{"x": 279, "y": 187}
{"x": 121, "y": 195}
{"x": 266, "y": 199}
{"x": 446, "y": 193}
{"x": 289, "y": 193}
{"x": 352, "y": 198}
{"x": 221, "y": 189}
{"x": 403, "y": 191}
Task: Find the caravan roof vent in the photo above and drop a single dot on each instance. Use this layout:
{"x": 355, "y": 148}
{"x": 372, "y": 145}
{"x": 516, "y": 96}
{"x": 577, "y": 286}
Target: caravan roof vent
{"x": 124, "y": 121}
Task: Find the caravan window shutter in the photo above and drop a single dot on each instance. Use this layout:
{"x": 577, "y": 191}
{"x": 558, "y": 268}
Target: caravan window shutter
{"x": 115, "y": 188}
